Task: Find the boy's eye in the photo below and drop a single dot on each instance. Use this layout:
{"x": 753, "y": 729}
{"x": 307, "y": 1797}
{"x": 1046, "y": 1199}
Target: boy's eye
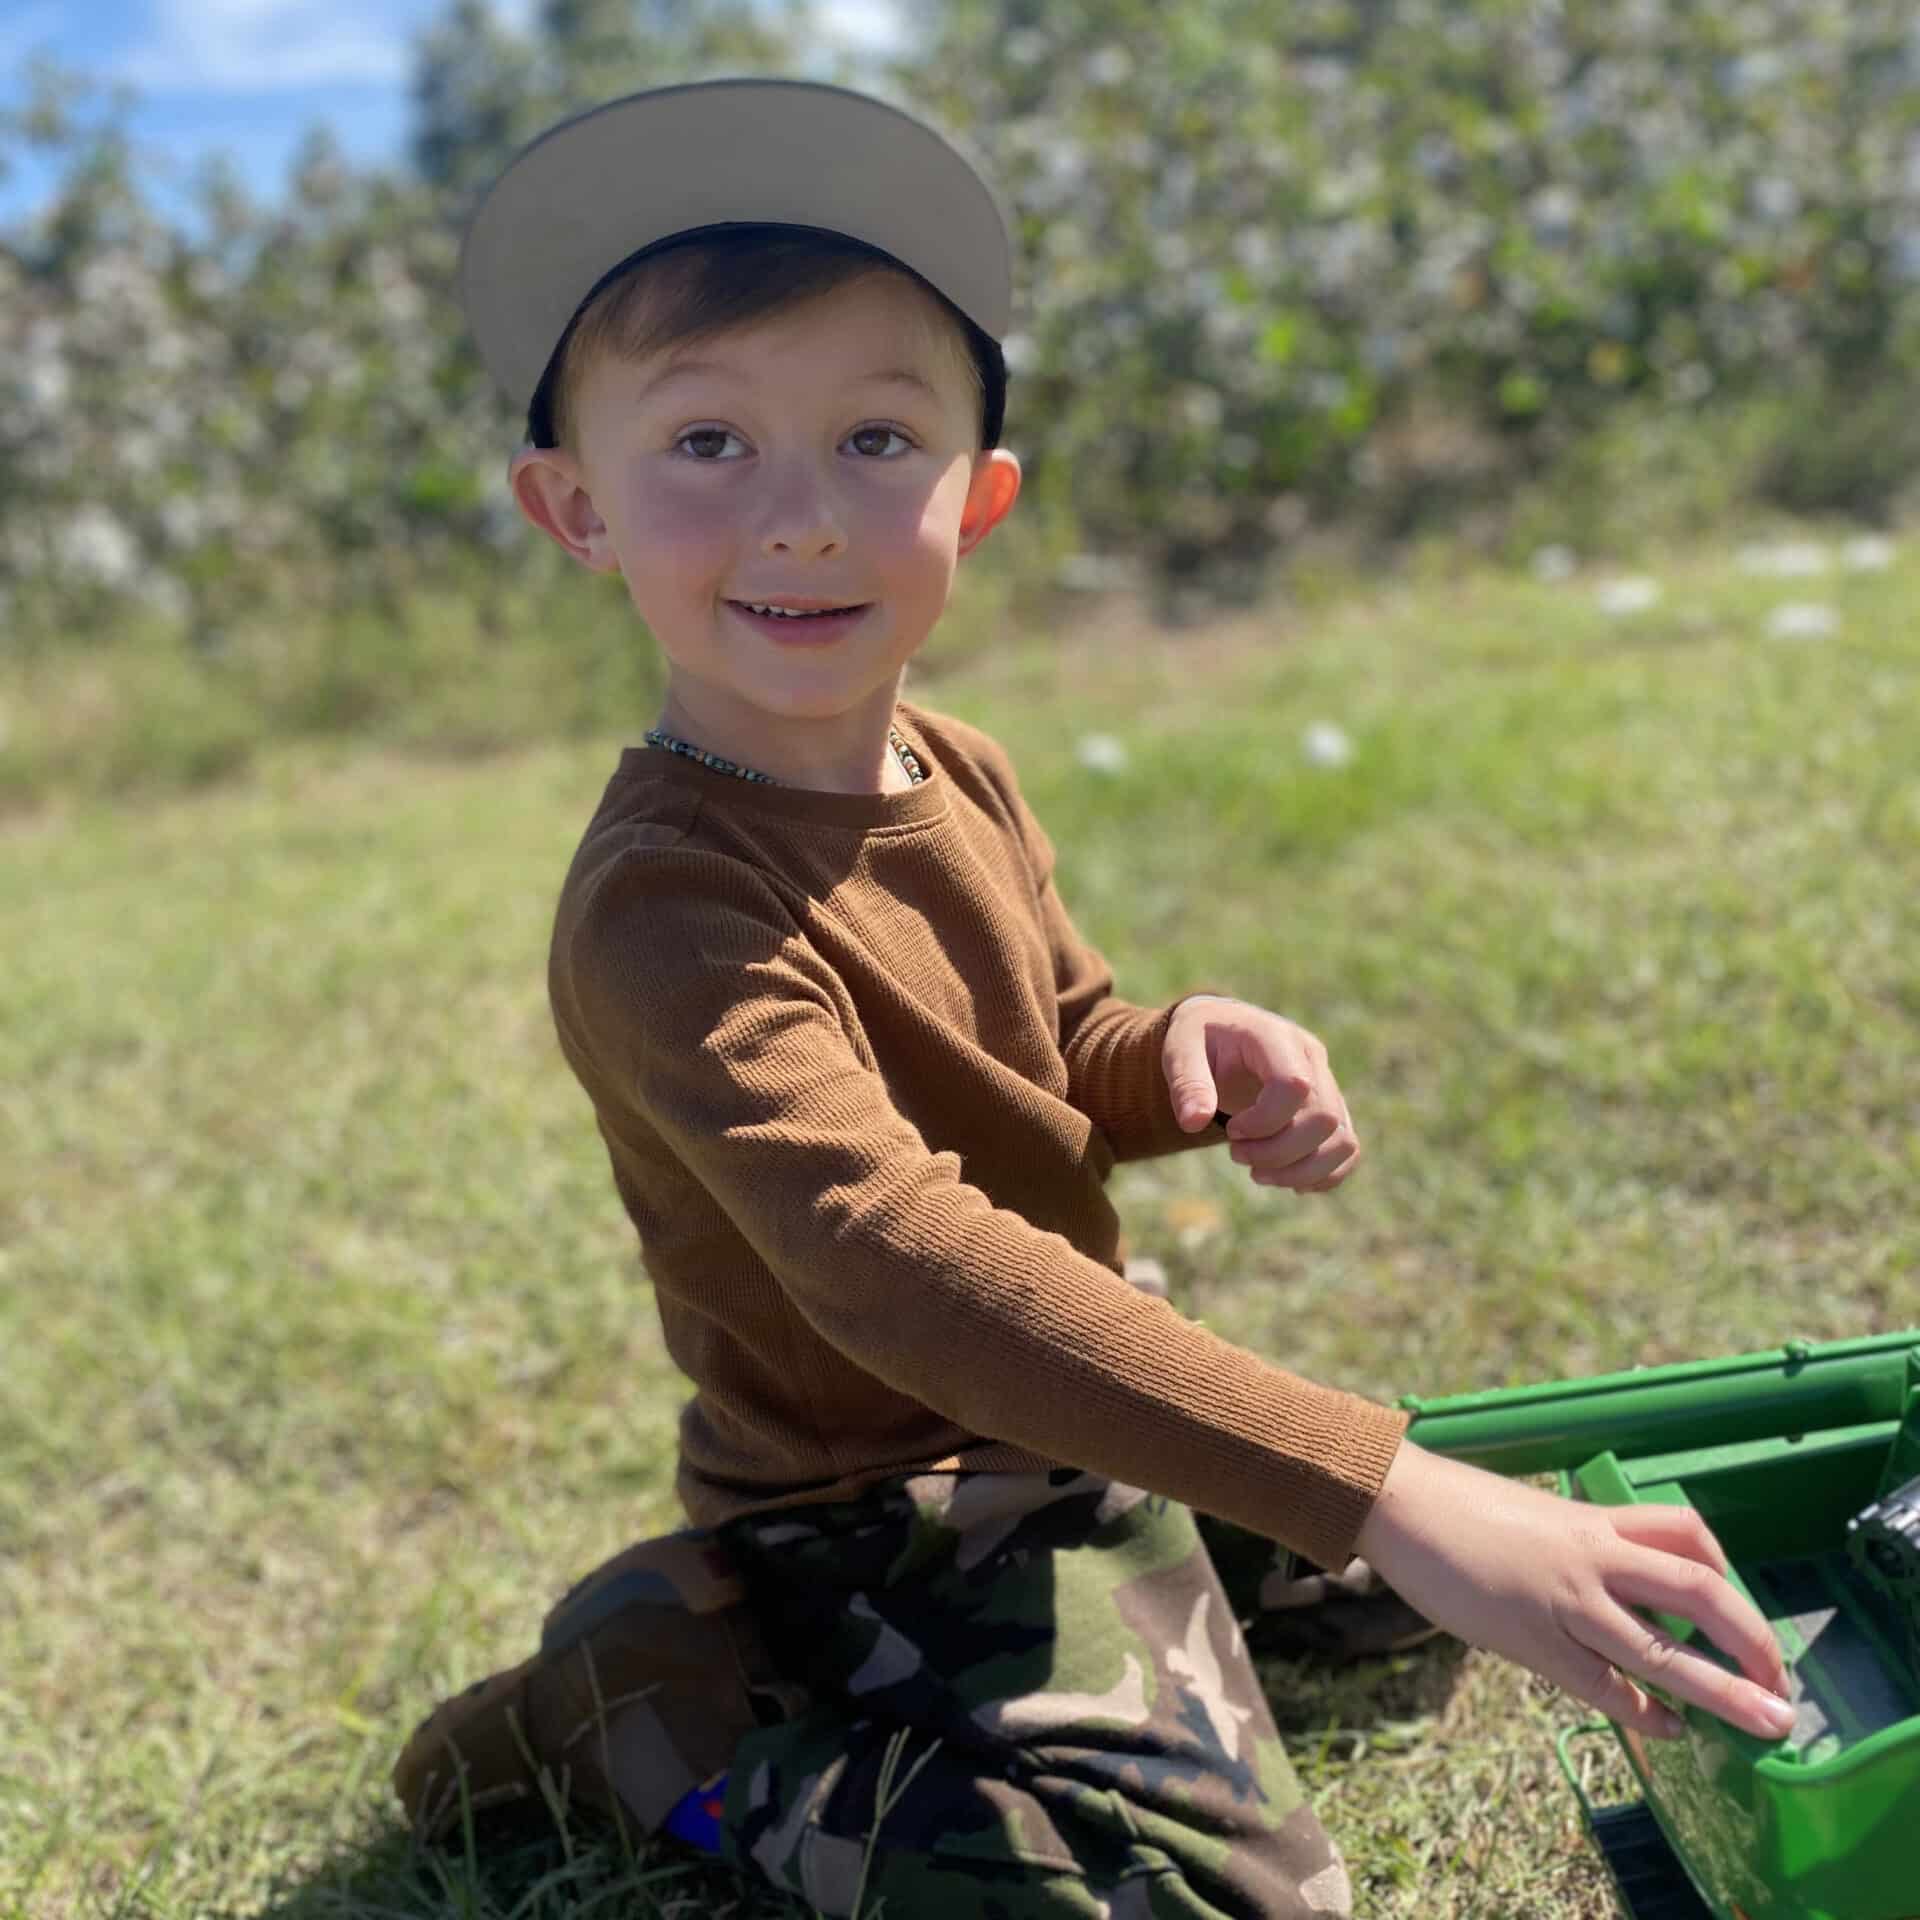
{"x": 885, "y": 434}
{"x": 708, "y": 434}
{"x": 705, "y": 443}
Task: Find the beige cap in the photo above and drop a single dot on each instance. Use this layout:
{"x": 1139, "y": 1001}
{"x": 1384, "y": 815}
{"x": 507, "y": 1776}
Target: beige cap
{"x": 588, "y": 194}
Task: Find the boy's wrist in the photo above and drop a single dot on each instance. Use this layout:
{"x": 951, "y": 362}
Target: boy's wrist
{"x": 1388, "y": 1518}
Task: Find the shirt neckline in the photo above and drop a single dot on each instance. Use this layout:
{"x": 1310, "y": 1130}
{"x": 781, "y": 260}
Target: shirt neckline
{"x": 811, "y": 806}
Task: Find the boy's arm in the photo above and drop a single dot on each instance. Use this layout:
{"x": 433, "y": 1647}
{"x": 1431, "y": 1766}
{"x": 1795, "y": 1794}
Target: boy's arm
{"x": 686, "y": 993}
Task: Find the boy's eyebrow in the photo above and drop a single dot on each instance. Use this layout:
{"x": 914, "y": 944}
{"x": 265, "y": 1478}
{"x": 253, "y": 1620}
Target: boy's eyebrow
{"x": 884, "y": 376}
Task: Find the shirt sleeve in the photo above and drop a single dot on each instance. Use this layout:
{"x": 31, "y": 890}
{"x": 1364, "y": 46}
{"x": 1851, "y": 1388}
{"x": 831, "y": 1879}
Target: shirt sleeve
{"x": 706, "y": 1014}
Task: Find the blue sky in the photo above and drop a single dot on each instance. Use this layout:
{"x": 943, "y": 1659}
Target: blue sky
{"x": 250, "y": 77}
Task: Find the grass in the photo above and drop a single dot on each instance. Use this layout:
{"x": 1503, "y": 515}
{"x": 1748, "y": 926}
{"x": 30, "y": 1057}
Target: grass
{"x": 328, "y": 1363}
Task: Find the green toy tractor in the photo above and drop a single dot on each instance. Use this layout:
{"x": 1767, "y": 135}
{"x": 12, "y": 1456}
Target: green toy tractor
{"x": 1805, "y": 1461}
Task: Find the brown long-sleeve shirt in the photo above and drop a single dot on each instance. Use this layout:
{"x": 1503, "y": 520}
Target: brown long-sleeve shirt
{"x": 862, "y": 1083}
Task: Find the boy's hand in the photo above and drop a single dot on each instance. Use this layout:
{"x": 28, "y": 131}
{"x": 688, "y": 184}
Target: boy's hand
{"x": 1552, "y": 1583}
{"x": 1290, "y": 1124}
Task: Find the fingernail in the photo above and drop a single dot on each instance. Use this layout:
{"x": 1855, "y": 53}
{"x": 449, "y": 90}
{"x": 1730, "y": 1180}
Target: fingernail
{"x": 1777, "y": 1714}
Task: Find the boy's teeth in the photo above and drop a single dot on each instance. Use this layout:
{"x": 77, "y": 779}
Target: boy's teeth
{"x": 794, "y": 613}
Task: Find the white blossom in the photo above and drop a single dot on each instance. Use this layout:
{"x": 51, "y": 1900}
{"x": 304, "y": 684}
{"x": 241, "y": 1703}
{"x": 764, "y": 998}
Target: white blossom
{"x": 1172, "y": 252}
{"x": 92, "y": 545}
{"x": 1327, "y": 391}
{"x": 1553, "y": 211}
{"x": 1634, "y": 593}
{"x": 168, "y": 350}
{"x": 1867, "y": 553}
{"x": 1201, "y": 407}
{"x": 47, "y": 382}
{"x": 1802, "y": 620}
{"x": 1784, "y": 559}
{"x": 402, "y": 304}
{"x": 138, "y": 452}
{"x": 1552, "y": 564}
{"x": 1102, "y": 753}
{"x": 182, "y": 519}
{"x": 1326, "y": 745}
{"x": 1692, "y": 382}
{"x": 1253, "y": 247}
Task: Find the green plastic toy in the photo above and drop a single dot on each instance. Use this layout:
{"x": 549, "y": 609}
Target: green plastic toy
{"x": 1805, "y": 1461}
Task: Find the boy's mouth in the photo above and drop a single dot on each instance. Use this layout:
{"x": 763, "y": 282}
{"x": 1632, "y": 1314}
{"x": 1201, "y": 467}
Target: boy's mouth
{"x": 810, "y": 625}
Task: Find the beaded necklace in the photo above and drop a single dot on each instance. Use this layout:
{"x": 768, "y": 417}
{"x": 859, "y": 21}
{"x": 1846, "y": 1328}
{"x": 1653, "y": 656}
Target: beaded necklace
{"x": 909, "y": 760}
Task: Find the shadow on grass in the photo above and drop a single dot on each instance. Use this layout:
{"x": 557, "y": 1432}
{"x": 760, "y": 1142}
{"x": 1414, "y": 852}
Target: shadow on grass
{"x": 1392, "y": 1696}
{"x": 521, "y": 1866}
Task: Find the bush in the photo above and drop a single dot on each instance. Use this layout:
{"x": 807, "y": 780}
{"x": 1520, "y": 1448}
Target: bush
{"x": 1386, "y": 263}
{"x": 1290, "y": 255}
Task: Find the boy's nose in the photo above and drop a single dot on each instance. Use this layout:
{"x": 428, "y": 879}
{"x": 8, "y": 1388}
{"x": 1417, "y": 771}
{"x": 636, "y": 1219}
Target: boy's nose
{"x": 801, "y": 516}
{"x": 786, "y": 540}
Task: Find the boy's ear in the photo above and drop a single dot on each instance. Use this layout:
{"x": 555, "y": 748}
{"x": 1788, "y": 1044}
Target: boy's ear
{"x": 550, "y": 489}
{"x": 996, "y": 485}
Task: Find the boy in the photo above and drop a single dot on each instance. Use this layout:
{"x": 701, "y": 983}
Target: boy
{"x": 942, "y": 1633}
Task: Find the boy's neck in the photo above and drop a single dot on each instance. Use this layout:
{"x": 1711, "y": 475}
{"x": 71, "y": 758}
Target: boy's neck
{"x": 847, "y": 753}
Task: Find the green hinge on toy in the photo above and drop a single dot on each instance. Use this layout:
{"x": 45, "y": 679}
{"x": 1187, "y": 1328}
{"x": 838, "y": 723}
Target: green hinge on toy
{"x": 1805, "y": 1461}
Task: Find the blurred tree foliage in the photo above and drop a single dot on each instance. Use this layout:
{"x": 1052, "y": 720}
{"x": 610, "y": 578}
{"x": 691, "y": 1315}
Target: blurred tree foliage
{"x": 1298, "y": 253}
{"x": 481, "y": 92}
{"x": 1278, "y": 264}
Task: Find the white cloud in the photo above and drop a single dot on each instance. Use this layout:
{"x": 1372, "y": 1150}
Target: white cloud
{"x": 266, "y": 46}
{"x": 865, "y": 26}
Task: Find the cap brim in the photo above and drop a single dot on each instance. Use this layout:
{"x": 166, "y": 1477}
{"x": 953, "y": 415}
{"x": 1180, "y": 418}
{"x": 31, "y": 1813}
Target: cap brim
{"x": 574, "y": 203}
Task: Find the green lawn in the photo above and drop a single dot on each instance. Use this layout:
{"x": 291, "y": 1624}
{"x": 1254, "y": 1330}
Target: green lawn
{"x": 327, "y": 1361}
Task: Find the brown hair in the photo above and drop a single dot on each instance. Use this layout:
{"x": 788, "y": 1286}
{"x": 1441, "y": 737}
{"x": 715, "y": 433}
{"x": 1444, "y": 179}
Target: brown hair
{"x": 696, "y": 285}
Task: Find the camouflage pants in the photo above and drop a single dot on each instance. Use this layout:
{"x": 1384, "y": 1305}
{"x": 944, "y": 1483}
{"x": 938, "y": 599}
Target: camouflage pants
{"x": 1028, "y": 1696}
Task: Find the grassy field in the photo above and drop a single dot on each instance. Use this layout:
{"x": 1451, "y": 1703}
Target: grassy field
{"x": 327, "y": 1361}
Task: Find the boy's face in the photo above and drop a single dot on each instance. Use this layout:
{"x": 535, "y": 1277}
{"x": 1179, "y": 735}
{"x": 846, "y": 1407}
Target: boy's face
{"x": 786, "y": 464}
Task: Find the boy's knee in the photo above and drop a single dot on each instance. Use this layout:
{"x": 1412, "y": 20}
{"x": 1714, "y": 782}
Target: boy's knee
{"x": 650, "y": 1672}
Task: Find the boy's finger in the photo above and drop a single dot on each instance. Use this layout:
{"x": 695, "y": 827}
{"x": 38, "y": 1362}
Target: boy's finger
{"x": 1325, "y": 1170}
{"x": 1672, "y": 1529}
{"x": 1694, "y": 1592}
{"x": 1279, "y": 1100}
{"x": 1648, "y": 1654}
{"x": 1299, "y": 1140}
{"x": 1190, "y": 1084}
{"x": 1601, "y": 1684}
